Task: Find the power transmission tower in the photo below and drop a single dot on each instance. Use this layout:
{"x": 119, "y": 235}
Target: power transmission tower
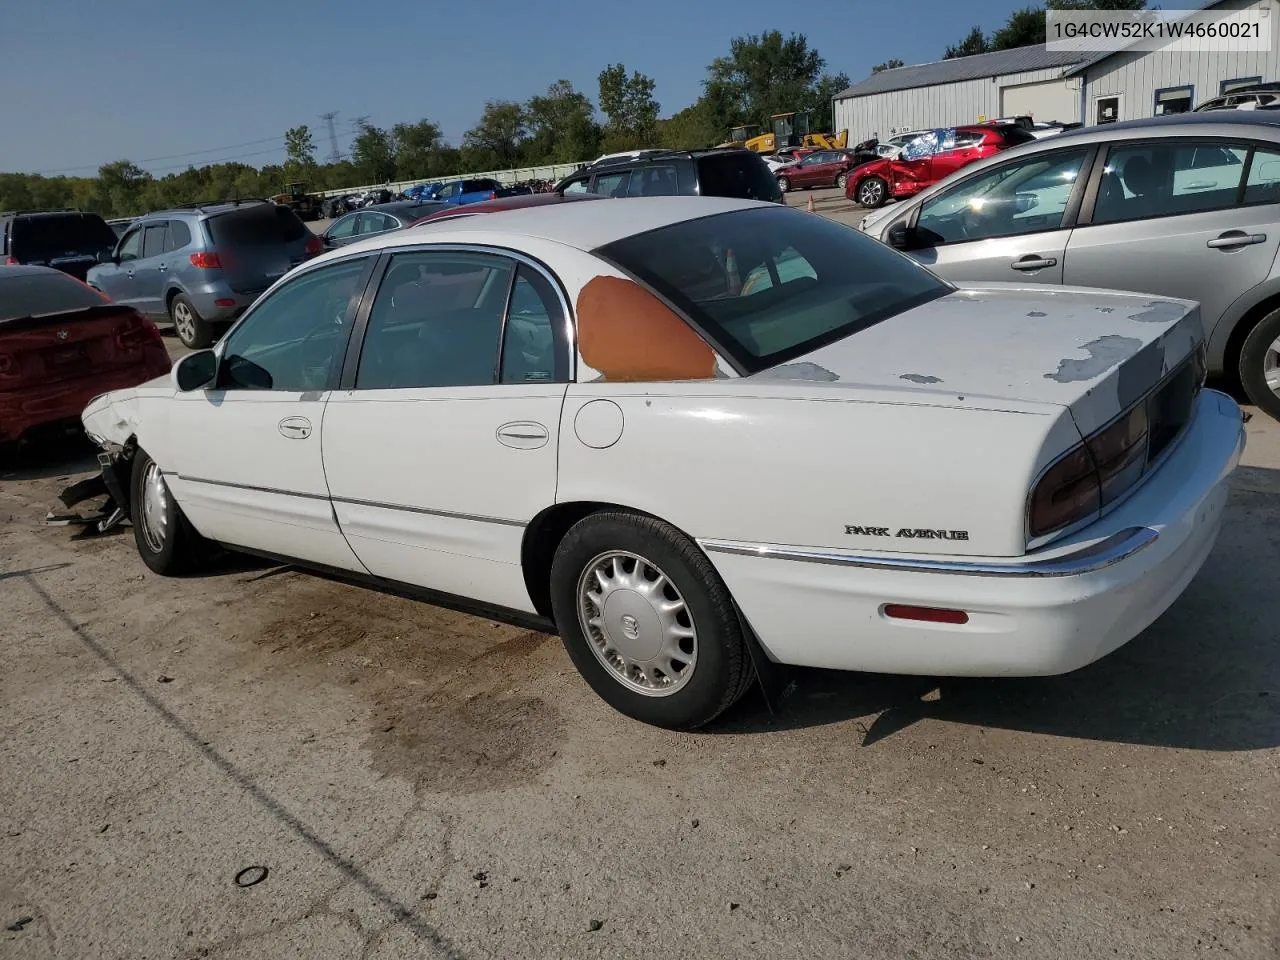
{"x": 359, "y": 123}
{"x": 333, "y": 136}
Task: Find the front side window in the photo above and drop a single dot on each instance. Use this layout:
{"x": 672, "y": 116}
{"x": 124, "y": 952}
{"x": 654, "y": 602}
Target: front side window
{"x": 436, "y": 321}
{"x": 294, "y": 340}
{"x": 1168, "y": 179}
{"x": 770, "y": 284}
{"x": 346, "y": 227}
{"x": 578, "y": 186}
{"x": 130, "y": 246}
{"x": 1025, "y": 196}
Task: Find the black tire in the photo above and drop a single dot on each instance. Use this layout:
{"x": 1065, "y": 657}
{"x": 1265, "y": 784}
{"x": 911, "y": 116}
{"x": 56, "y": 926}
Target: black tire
{"x": 1262, "y": 343}
{"x": 722, "y": 670}
{"x": 872, "y": 192}
{"x": 192, "y": 329}
{"x": 784, "y": 184}
{"x": 842, "y": 181}
{"x": 181, "y": 549}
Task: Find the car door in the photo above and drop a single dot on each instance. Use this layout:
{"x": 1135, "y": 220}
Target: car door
{"x": 442, "y": 446}
{"x": 1009, "y": 222}
{"x": 953, "y": 154}
{"x": 1181, "y": 218}
{"x": 150, "y": 269}
{"x": 243, "y": 456}
{"x": 117, "y": 279}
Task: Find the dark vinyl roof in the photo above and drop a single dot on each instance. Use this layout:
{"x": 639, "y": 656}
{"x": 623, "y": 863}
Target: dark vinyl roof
{"x": 977, "y": 67}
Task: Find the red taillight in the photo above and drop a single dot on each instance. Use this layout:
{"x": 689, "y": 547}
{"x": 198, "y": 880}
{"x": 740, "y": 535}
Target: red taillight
{"x": 224, "y": 302}
{"x": 206, "y": 261}
{"x": 314, "y": 245}
{"x": 136, "y": 332}
{"x": 493, "y": 195}
{"x": 902, "y": 611}
{"x": 10, "y": 261}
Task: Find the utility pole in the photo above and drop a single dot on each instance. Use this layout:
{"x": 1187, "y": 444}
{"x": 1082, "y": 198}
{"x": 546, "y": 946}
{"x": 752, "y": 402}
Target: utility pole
{"x": 333, "y": 136}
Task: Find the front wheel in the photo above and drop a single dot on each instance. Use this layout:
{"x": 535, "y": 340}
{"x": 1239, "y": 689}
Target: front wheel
{"x": 872, "y": 192}
{"x": 647, "y": 621}
{"x": 165, "y": 539}
{"x": 1260, "y": 364}
{"x": 784, "y": 184}
{"x": 192, "y": 329}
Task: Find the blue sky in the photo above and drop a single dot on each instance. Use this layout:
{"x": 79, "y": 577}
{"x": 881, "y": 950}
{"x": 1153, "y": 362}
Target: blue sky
{"x": 89, "y": 81}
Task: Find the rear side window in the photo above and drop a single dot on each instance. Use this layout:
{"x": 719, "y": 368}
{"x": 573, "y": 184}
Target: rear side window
{"x": 656, "y": 181}
{"x": 1263, "y": 184}
{"x": 743, "y": 175}
{"x": 31, "y": 295}
{"x": 612, "y": 184}
{"x": 256, "y": 226}
{"x": 1164, "y": 180}
{"x": 55, "y": 235}
{"x": 153, "y": 240}
{"x": 179, "y": 236}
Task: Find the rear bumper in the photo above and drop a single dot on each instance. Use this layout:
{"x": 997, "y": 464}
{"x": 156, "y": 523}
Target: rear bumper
{"x": 1050, "y": 612}
{"x": 205, "y": 297}
{"x": 25, "y": 410}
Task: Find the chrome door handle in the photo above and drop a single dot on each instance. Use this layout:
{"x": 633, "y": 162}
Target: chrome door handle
{"x": 523, "y": 435}
{"x": 295, "y": 428}
{"x": 129, "y": 274}
{"x": 162, "y": 268}
{"x": 1033, "y": 262}
{"x": 1236, "y": 238}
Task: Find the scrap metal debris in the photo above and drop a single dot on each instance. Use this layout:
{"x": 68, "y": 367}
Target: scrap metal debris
{"x": 250, "y": 876}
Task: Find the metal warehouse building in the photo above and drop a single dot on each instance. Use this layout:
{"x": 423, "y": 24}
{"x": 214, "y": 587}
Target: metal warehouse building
{"x": 1068, "y": 87}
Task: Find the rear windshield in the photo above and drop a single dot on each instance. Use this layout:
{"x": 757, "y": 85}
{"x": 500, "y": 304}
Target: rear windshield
{"x": 742, "y": 175}
{"x": 25, "y": 294}
{"x": 475, "y": 186}
{"x": 256, "y": 226}
{"x": 57, "y": 235}
{"x": 770, "y": 284}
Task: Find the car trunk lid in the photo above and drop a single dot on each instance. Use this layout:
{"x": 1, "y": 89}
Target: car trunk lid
{"x": 257, "y": 244}
{"x": 53, "y": 348}
{"x": 1094, "y": 352}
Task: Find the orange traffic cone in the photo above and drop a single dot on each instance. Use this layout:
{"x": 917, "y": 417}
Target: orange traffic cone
{"x": 809, "y": 206}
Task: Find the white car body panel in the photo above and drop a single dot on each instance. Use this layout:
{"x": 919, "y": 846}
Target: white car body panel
{"x": 936, "y": 422}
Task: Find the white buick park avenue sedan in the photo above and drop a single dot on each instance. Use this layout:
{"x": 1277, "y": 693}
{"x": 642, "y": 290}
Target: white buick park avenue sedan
{"x": 687, "y": 433}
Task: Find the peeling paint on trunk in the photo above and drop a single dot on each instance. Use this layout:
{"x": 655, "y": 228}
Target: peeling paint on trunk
{"x": 803, "y": 370}
{"x": 1159, "y": 311}
{"x": 1037, "y": 313}
{"x": 920, "y": 378}
{"x": 1104, "y": 353}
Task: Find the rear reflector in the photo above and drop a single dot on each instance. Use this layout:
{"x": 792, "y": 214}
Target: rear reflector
{"x": 224, "y": 302}
{"x": 902, "y": 611}
{"x": 206, "y": 261}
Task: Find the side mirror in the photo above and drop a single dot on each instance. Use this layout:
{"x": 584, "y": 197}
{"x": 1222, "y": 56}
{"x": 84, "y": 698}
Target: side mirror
{"x": 901, "y": 236}
{"x": 195, "y": 370}
{"x": 106, "y": 256}
{"x": 1023, "y": 202}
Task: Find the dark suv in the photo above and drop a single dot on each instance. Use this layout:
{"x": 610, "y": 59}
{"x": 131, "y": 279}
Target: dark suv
{"x": 202, "y": 266}
{"x": 67, "y": 240}
{"x": 728, "y": 172}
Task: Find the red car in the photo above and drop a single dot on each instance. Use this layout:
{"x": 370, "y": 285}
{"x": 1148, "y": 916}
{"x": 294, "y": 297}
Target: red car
{"x": 821, "y": 168}
{"x": 505, "y": 203}
{"x": 882, "y": 180}
{"x": 63, "y": 343}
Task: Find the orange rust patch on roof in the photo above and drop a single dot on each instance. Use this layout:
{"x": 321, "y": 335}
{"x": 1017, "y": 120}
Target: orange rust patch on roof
{"x": 628, "y": 334}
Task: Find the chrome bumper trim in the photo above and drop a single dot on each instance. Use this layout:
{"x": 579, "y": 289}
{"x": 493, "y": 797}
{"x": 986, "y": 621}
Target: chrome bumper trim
{"x": 1096, "y": 556}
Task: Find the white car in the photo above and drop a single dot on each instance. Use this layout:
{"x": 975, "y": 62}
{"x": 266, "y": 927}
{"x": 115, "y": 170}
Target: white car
{"x": 674, "y": 428}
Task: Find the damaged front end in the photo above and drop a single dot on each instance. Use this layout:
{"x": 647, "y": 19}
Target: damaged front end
{"x": 111, "y": 482}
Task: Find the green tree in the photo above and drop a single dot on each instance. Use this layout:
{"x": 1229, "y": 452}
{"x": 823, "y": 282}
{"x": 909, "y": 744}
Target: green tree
{"x": 887, "y": 65}
{"x": 629, "y": 104}
{"x": 764, "y": 75}
{"x": 120, "y": 187}
{"x": 823, "y": 94}
{"x": 416, "y": 146}
{"x": 299, "y": 146}
{"x": 498, "y": 135}
{"x": 374, "y": 154}
{"x": 692, "y": 128}
{"x": 973, "y": 44}
{"x": 562, "y": 126}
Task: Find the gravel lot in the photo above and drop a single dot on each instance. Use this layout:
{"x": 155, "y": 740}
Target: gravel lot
{"x": 420, "y": 783}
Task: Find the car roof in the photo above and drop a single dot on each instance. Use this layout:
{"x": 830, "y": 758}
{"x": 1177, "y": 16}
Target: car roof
{"x": 1228, "y": 123}
{"x": 28, "y": 270}
{"x": 405, "y": 206}
{"x": 517, "y": 202}
{"x": 583, "y": 226}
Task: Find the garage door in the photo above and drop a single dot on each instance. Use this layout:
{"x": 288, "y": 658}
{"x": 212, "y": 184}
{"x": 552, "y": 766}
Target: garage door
{"x": 1051, "y": 100}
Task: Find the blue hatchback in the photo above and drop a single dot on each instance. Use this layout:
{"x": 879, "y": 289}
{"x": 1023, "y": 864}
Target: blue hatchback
{"x": 201, "y": 267}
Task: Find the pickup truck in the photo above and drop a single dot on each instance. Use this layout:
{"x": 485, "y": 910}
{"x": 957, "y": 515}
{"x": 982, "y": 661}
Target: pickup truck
{"x": 458, "y": 192}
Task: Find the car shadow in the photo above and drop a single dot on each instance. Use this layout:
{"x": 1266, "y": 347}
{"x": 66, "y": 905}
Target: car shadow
{"x": 57, "y": 454}
{"x": 1204, "y": 676}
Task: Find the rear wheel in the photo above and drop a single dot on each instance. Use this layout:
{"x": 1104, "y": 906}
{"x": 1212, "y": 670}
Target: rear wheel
{"x": 647, "y": 620}
{"x": 872, "y": 192}
{"x": 192, "y": 329}
{"x": 784, "y": 184}
{"x": 165, "y": 539}
{"x": 1260, "y": 364}
{"x": 842, "y": 181}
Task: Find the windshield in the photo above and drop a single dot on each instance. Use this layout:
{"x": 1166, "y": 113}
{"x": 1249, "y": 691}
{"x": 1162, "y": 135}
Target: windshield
{"x": 50, "y": 236}
{"x": 768, "y": 285}
{"x": 25, "y": 294}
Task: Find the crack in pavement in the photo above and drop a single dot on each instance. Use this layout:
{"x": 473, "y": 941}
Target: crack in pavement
{"x": 401, "y": 912}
